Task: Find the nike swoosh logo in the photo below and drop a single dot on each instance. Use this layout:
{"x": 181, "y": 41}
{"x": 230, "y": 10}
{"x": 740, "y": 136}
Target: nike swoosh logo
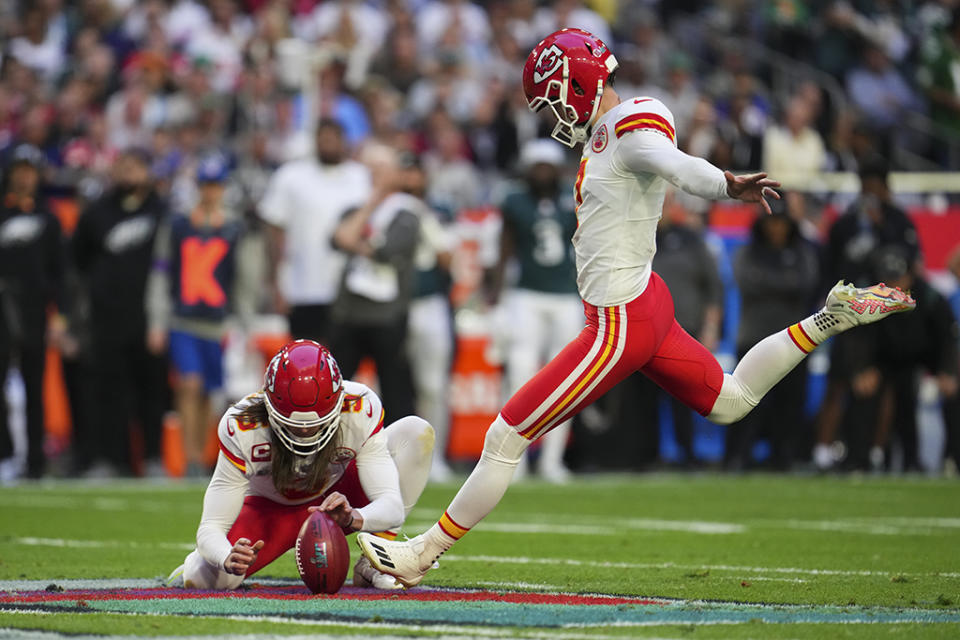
{"x": 639, "y": 100}
{"x": 369, "y": 411}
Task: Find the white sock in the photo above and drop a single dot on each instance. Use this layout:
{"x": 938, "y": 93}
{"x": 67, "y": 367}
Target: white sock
{"x": 487, "y": 484}
{"x": 763, "y": 366}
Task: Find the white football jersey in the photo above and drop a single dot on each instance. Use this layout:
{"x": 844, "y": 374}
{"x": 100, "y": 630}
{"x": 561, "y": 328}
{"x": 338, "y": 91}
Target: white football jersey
{"x": 248, "y": 445}
{"x": 621, "y": 183}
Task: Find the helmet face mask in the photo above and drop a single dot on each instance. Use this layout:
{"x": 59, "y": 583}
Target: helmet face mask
{"x": 303, "y": 393}
{"x": 567, "y": 72}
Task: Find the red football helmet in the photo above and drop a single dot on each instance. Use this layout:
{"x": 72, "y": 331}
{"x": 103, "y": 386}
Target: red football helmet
{"x": 303, "y": 390}
{"x": 568, "y": 71}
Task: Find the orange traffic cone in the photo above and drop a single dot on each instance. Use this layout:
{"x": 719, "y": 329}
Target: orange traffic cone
{"x": 174, "y": 456}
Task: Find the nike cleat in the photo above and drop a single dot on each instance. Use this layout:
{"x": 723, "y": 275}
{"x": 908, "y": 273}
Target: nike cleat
{"x": 853, "y": 307}
{"x": 366, "y": 577}
{"x": 400, "y": 559}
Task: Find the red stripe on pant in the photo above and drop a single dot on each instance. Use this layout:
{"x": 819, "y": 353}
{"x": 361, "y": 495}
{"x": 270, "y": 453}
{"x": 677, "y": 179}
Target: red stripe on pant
{"x": 652, "y": 342}
{"x": 278, "y": 524}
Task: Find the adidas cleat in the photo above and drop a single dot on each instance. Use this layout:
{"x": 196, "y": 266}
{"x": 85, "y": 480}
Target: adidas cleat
{"x": 366, "y": 577}
{"x": 401, "y": 559}
{"x": 851, "y": 306}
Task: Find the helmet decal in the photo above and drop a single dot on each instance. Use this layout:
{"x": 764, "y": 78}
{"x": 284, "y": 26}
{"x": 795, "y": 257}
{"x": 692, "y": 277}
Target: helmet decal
{"x": 336, "y": 378}
{"x": 270, "y": 378}
{"x": 549, "y": 61}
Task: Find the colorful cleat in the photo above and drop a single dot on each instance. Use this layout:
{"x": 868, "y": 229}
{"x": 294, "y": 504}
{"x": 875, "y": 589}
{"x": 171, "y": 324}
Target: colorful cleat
{"x": 400, "y": 559}
{"x": 853, "y": 306}
{"x": 366, "y": 577}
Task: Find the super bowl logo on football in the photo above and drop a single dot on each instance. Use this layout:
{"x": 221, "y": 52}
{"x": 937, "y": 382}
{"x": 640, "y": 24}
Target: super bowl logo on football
{"x": 599, "y": 142}
{"x": 319, "y": 559}
{"x": 549, "y": 61}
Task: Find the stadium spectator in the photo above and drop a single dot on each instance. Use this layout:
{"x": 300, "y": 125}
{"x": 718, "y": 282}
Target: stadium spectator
{"x": 40, "y": 47}
{"x": 570, "y": 13}
{"x": 31, "y": 279}
{"x": 792, "y": 148}
{"x": 685, "y": 262}
{"x": 430, "y": 330}
{"x": 939, "y": 56}
{"x": 454, "y": 183}
{"x": 113, "y": 249}
{"x": 369, "y": 317}
{"x": 453, "y": 27}
{"x": 881, "y": 94}
{"x": 197, "y": 279}
{"x": 885, "y": 384}
{"x": 304, "y": 269}
{"x": 777, "y": 274}
{"x": 399, "y": 60}
{"x": 873, "y": 221}
{"x": 543, "y": 307}
{"x": 740, "y": 144}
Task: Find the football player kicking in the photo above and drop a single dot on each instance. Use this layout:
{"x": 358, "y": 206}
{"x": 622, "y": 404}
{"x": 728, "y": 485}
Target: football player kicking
{"x": 629, "y": 160}
{"x": 309, "y": 440}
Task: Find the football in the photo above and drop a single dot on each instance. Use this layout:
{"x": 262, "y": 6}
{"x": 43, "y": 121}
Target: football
{"x": 322, "y": 554}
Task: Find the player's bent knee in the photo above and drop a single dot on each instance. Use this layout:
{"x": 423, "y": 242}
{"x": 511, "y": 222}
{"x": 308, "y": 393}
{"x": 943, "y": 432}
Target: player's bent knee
{"x": 733, "y": 403}
{"x": 200, "y": 574}
{"x": 411, "y": 430}
{"x": 503, "y": 443}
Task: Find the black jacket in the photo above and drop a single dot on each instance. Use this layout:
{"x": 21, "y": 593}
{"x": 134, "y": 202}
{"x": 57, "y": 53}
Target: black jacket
{"x": 113, "y": 249}
{"x": 777, "y": 286}
{"x": 31, "y": 269}
{"x": 854, "y": 238}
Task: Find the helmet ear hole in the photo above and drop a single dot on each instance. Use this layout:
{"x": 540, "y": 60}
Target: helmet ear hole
{"x": 577, "y": 89}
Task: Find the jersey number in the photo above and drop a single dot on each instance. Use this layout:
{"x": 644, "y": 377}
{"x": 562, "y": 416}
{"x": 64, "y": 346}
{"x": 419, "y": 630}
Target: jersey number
{"x": 549, "y": 250}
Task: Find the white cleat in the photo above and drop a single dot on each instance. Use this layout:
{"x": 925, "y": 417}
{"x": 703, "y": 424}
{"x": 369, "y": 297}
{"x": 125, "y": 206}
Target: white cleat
{"x": 850, "y": 306}
{"x": 366, "y": 577}
{"x": 175, "y": 579}
{"x": 401, "y": 559}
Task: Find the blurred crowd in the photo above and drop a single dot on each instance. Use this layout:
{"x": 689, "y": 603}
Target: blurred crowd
{"x": 230, "y": 158}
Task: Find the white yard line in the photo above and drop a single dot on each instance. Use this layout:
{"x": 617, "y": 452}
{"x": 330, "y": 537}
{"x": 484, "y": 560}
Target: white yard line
{"x": 529, "y": 586}
{"x": 571, "y": 562}
{"x": 670, "y": 565}
{"x": 539, "y": 526}
{"x": 100, "y": 544}
{"x": 559, "y": 524}
{"x": 86, "y": 503}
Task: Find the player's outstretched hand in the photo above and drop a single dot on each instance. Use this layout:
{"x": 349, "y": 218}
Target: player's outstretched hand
{"x": 338, "y": 508}
{"x": 242, "y": 556}
{"x": 752, "y": 187}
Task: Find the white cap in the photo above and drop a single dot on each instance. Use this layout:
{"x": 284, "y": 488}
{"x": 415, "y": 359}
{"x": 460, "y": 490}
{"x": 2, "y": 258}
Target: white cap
{"x": 539, "y": 151}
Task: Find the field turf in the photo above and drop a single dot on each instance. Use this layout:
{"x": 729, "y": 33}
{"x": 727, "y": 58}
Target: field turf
{"x": 688, "y": 556}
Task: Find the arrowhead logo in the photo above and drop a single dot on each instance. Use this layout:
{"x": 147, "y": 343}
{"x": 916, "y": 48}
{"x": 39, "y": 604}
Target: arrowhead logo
{"x": 548, "y": 61}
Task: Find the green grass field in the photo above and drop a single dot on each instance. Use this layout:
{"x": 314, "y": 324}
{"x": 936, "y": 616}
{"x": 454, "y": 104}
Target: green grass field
{"x": 887, "y": 549}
